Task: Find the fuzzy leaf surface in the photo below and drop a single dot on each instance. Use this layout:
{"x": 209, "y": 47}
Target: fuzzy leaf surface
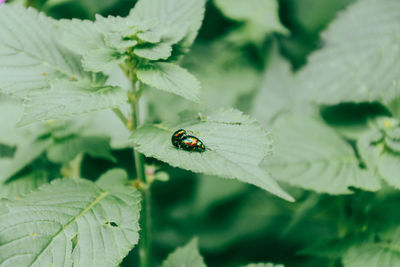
{"x": 22, "y": 185}
{"x": 69, "y": 223}
{"x": 171, "y": 78}
{"x": 24, "y": 142}
{"x": 38, "y": 69}
{"x": 69, "y": 98}
{"x": 235, "y": 145}
{"x": 180, "y": 19}
{"x": 187, "y": 255}
{"x": 261, "y": 14}
{"x": 310, "y": 155}
{"x": 263, "y": 265}
{"x": 66, "y": 150}
{"x": 358, "y": 61}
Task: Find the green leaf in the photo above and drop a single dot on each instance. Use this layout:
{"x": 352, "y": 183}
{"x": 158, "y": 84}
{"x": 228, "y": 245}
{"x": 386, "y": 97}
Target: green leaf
{"x": 180, "y": 19}
{"x": 171, "y": 78}
{"x": 263, "y": 265}
{"x": 278, "y": 93}
{"x": 25, "y": 154}
{"x": 42, "y": 72}
{"x": 102, "y": 59}
{"x": 105, "y": 123}
{"x": 188, "y": 255}
{"x": 70, "y": 222}
{"x": 63, "y": 151}
{"x": 212, "y": 191}
{"x": 261, "y": 15}
{"x": 23, "y": 185}
{"x": 358, "y": 61}
{"x": 235, "y": 145}
{"x": 389, "y": 167}
{"x": 370, "y": 254}
{"x": 310, "y": 155}
{"x": 81, "y": 36}
{"x": 24, "y": 141}
{"x": 113, "y": 178}
{"x": 29, "y": 53}
{"x": 154, "y": 52}
{"x": 69, "y": 98}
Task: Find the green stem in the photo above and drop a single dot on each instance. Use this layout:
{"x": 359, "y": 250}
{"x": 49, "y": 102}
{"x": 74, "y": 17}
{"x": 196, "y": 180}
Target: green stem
{"x": 145, "y": 235}
{"x": 145, "y": 218}
{"x": 121, "y": 116}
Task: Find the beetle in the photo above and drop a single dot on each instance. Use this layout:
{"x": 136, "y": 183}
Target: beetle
{"x": 190, "y": 143}
{"x": 177, "y": 137}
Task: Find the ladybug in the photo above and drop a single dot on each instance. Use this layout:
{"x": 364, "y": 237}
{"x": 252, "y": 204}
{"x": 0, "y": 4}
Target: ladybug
{"x": 187, "y": 142}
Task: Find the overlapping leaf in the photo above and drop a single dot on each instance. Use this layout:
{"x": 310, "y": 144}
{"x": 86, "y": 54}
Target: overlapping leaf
{"x": 378, "y": 148}
{"x": 25, "y": 142}
{"x": 69, "y": 222}
{"x": 188, "y": 255}
{"x": 22, "y": 185}
{"x": 63, "y": 151}
{"x": 180, "y": 19}
{"x": 310, "y": 155}
{"x": 37, "y": 68}
{"x": 358, "y": 61}
{"x": 260, "y": 17}
{"x": 170, "y": 77}
{"x": 370, "y": 254}
{"x": 235, "y": 145}
{"x": 264, "y": 265}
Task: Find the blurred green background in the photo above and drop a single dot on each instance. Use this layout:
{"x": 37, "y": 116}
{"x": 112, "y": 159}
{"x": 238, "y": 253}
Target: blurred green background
{"x": 238, "y": 223}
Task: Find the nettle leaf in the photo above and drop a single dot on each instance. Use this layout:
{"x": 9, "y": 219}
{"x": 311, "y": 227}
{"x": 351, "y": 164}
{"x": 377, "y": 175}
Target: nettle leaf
{"x": 154, "y": 52}
{"x": 25, "y": 154}
{"x": 359, "y": 59}
{"x": 378, "y": 148}
{"x": 310, "y": 155}
{"x": 69, "y": 98}
{"x": 171, "y": 78}
{"x": 260, "y": 16}
{"x": 25, "y": 142}
{"x": 22, "y": 185}
{"x": 278, "y": 93}
{"x": 47, "y": 76}
{"x": 370, "y": 254}
{"x": 263, "y": 265}
{"x": 235, "y": 143}
{"x": 113, "y": 178}
{"x": 89, "y": 39}
{"x": 389, "y": 167}
{"x": 180, "y": 19}
{"x": 188, "y": 255}
{"x": 70, "y": 222}
{"x": 63, "y": 151}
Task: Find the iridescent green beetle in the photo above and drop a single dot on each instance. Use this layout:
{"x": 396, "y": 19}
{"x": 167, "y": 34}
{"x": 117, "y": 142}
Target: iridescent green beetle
{"x": 187, "y": 142}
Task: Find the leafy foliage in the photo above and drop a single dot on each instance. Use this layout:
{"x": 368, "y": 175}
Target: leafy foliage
{"x": 310, "y": 155}
{"x": 232, "y": 140}
{"x": 68, "y": 220}
{"x": 185, "y": 256}
{"x": 358, "y": 60}
{"x": 171, "y": 78}
{"x": 153, "y": 31}
{"x": 42, "y": 72}
{"x": 260, "y": 17}
{"x": 80, "y": 88}
{"x": 66, "y": 150}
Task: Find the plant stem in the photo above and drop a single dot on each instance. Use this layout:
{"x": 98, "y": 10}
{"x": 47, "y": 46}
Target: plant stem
{"x": 145, "y": 237}
{"x": 145, "y": 218}
{"x": 121, "y": 116}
